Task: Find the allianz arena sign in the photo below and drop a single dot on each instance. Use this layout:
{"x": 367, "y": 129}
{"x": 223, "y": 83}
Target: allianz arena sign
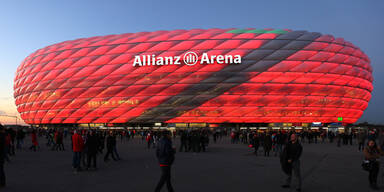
{"x": 190, "y": 58}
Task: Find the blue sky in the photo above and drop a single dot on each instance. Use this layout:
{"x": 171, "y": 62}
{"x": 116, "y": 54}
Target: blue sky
{"x": 26, "y": 26}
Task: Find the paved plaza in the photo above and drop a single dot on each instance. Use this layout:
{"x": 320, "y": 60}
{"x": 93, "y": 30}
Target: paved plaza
{"x": 224, "y": 167}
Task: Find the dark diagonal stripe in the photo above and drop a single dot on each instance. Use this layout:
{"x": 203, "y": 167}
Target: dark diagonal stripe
{"x": 259, "y": 60}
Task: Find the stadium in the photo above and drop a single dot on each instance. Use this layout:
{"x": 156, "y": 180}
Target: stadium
{"x": 284, "y": 76}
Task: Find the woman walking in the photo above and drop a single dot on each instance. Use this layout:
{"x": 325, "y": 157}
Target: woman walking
{"x": 372, "y": 153}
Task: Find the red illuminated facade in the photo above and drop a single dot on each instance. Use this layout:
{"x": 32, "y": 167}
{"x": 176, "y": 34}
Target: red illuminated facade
{"x": 284, "y": 76}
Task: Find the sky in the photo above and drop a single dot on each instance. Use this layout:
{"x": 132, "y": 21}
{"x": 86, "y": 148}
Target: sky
{"x": 26, "y": 26}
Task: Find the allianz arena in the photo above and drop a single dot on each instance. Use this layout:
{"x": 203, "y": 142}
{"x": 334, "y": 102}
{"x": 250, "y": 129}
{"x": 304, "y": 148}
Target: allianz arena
{"x": 282, "y": 76}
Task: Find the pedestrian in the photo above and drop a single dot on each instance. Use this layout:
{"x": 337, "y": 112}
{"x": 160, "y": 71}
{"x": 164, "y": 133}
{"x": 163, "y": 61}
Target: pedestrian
{"x": 280, "y": 140}
{"x": 381, "y": 139}
{"x": 256, "y": 143}
{"x": 190, "y": 141}
{"x": 115, "y": 149}
{"x": 233, "y": 137}
{"x": 165, "y": 154}
{"x": 267, "y": 144}
{"x": 361, "y": 136}
{"x": 93, "y": 146}
{"x": 49, "y": 137}
{"x": 84, "y": 152}
{"x": 77, "y": 146}
{"x": 183, "y": 141}
{"x": 101, "y": 138}
{"x": 20, "y": 139}
{"x": 155, "y": 138}
{"x": 12, "y": 135}
{"x": 111, "y": 143}
{"x": 290, "y": 160}
{"x": 2, "y": 156}
{"x": 202, "y": 142}
{"x": 149, "y": 139}
{"x": 35, "y": 144}
{"x": 195, "y": 139}
{"x": 372, "y": 153}
{"x": 59, "y": 141}
{"x": 7, "y": 146}
{"x": 322, "y": 135}
{"x": 338, "y": 139}
{"x": 331, "y": 136}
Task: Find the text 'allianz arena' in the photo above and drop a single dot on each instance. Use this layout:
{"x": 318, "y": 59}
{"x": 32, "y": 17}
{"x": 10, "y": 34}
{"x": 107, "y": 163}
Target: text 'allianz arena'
{"x": 283, "y": 76}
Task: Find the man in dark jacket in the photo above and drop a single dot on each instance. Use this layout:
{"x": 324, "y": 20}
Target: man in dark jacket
{"x": 93, "y": 146}
{"x": 291, "y": 161}
{"x": 195, "y": 139}
{"x": 166, "y": 155}
{"x": 111, "y": 143}
{"x": 183, "y": 141}
{"x": 59, "y": 141}
{"x": 2, "y": 156}
{"x": 267, "y": 144}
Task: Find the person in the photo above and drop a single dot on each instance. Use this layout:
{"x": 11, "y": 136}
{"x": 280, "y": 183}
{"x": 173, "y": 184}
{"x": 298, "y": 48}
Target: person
{"x": 7, "y": 146}
{"x": 49, "y": 137}
{"x": 361, "y": 140}
{"x": 331, "y": 136}
{"x": 20, "y": 139}
{"x": 149, "y": 139}
{"x": 267, "y": 144}
{"x": 202, "y": 142}
{"x": 2, "y": 156}
{"x": 12, "y": 136}
{"x": 323, "y": 135}
{"x": 111, "y": 143}
{"x": 84, "y": 152}
{"x": 256, "y": 143}
{"x": 338, "y": 139}
{"x": 115, "y": 149}
{"x": 101, "y": 137}
{"x": 35, "y": 144}
{"x": 215, "y": 135}
{"x": 279, "y": 143}
{"x": 350, "y": 138}
{"x": 290, "y": 160}
{"x": 77, "y": 146}
{"x": 59, "y": 141}
{"x": 165, "y": 154}
{"x": 381, "y": 140}
{"x": 93, "y": 146}
{"x": 232, "y": 137}
{"x": 372, "y": 153}
{"x": 195, "y": 140}
{"x": 183, "y": 141}
{"x": 154, "y": 140}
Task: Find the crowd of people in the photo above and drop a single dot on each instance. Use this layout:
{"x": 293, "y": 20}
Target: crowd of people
{"x": 88, "y": 144}
{"x": 273, "y": 140}
{"x": 85, "y": 144}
